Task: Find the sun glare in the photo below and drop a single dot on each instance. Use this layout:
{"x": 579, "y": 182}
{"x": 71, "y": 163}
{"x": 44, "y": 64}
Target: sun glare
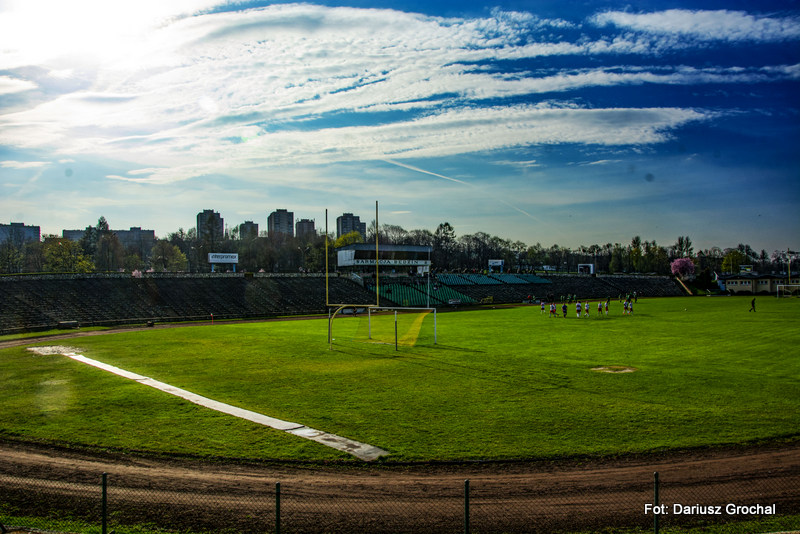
{"x": 84, "y": 31}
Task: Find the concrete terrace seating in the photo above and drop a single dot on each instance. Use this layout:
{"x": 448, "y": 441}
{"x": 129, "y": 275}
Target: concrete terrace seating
{"x": 509, "y": 278}
{"x": 604, "y": 286}
{"x": 497, "y": 288}
{"x": 448, "y": 295}
{"x": 453, "y": 280}
{"x": 481, "y": 279}
{"x": 582, "y": 286}
{"x": 497, "y": 293}
{"x": 19, "y": 307}
{"x": 510, "y": 288}
{"x": 644, "y": 286}
{"x": 39, "y": 302}
{"x": 412, "y": 291}
{"x": 534, "y": 279}
{"x": 406, "y": 295}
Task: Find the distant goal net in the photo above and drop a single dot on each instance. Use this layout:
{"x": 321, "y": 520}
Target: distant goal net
{"x": 788, "y": 290}
{"x": 398, "y": 326}
{"x": 394, "y": 326}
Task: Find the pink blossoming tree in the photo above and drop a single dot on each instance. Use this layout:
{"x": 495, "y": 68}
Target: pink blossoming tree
{"x": 682, "y": 267}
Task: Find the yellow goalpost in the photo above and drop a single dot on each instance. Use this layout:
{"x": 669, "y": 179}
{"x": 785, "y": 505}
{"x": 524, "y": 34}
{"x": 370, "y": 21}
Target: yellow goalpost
{"x": 335, "y": 308}
{"x": 340, "y": 307}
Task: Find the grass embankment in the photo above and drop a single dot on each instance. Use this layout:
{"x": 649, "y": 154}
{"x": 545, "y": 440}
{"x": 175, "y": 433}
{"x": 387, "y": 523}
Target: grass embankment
{"x": 506, "y": 383}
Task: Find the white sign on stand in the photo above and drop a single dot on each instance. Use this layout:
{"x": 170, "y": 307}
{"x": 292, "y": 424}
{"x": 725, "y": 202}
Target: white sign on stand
{"x": 217, "y": 257}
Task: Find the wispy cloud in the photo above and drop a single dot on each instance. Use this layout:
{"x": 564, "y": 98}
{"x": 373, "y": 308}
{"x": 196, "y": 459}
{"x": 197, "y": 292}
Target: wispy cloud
{"x": 444, "y": 134}
{"x": 722, "y": 25}
{"x": 9, "y": 85}
{"x": 602, "y": 162}
{"x": 485, "y": 193}
{"x": 23, "y": 164}
{"x": 40, "y": 32}
{"x": 230, "y": 90}
{"x": 309, "y": 98}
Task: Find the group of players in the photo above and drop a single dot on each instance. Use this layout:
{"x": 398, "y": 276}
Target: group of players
{"x": 585, "y": 307}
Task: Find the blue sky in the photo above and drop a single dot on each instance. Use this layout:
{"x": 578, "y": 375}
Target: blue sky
{"x": 548, "y": 121}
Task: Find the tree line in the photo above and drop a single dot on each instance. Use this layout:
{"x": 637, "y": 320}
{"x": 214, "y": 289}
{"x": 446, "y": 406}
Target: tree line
{"x": 99, "y": 250}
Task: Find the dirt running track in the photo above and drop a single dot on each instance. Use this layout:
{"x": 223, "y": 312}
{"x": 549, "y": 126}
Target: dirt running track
{"x": 536, "y": 496}
{"x": 504, "y": 497}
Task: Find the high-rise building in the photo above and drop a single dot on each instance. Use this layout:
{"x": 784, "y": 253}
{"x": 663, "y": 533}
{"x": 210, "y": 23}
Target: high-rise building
{"x": 18, "y": 233}
{"x": 248, "y": 230}
{"x": 304, "y": 227}
{"x": 281, "y": 222}
{"x": 141, "y": 241}
{"x": 210, "y": 226}
{"x": 348, "y": 222}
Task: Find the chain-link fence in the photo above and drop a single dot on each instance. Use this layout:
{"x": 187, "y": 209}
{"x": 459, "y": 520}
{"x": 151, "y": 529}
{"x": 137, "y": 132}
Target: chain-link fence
{"x": 88, "y": 504}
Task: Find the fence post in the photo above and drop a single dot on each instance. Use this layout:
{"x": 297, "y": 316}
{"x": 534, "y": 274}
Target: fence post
{"x": 277, "y": 508}
{"x": 466, "y": 506}
{"x": 104, "y": 505}
{"x": 656, "y": 516}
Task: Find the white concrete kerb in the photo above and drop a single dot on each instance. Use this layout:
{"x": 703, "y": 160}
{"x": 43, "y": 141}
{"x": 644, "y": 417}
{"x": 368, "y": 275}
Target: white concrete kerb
{"x": 360, "y": 450}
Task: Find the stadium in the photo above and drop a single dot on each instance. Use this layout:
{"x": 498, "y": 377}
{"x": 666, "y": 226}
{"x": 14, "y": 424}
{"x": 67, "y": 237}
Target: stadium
{"x": 486, "y": 415}
{"x": 519, "y": 345}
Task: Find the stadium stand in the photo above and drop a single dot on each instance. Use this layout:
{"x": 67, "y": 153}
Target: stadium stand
{"x": 405, "y": 295}
{"x": 43, "y": 301}
{"x": 646, "y": 286}
{"x": 39, "y": 302}
{"x": 453, "y": 280}
{"x": 534, "y": 279}
{"x": 448, "y": 295}
{"x": 513, "y": 288}
{"x": 409, "y": 292}
{"x": 496, "y": 293}
{"x": 495, "y": 288}
{"x": 481, "y": 279}
{"x": 509, "y": 279}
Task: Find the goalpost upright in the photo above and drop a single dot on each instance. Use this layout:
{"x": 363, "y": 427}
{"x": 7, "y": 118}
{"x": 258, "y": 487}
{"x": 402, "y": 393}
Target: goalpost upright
{"x": 338, "y": 307}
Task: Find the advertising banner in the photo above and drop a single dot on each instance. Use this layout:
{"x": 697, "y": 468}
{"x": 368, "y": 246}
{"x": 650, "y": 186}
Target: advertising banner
{"x": 216, "y": 257}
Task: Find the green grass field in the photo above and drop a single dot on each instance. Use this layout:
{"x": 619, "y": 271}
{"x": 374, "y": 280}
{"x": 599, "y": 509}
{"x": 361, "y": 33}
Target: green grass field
{"x": 500, "y": 384}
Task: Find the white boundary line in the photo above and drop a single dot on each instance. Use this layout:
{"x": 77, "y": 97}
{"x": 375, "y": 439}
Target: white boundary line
{"x": 360, "y": 450}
